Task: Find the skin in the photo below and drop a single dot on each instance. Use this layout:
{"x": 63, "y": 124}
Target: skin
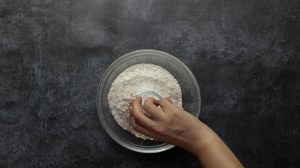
{"x": 168, "y": 123}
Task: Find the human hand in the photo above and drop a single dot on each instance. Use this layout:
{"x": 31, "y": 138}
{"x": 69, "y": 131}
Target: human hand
{"x": 166, "y": 122}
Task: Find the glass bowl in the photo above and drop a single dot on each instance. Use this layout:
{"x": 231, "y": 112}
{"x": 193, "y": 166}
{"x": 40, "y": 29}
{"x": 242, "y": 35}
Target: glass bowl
{"x": 190, "y": 96}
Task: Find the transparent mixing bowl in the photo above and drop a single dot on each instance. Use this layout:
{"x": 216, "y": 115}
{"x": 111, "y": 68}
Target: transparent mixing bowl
{"x": 189, "y": 87}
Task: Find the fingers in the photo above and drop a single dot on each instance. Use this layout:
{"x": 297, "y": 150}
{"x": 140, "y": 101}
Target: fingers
{"x": 165, "y": 103}
{"x": 150, "y": 106}
{"x": 140, "y": 128}
{"x": 137, "y": 113}
{"x": 169, "y": 99}
{"x": 139, "y": 120}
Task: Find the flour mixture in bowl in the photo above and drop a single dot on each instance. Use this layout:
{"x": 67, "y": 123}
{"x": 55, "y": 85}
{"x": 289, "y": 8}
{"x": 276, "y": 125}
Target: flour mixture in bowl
{"x": 137, "y": 80}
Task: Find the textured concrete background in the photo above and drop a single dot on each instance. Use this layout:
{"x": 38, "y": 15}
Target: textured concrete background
{"x": 245, "y": 55}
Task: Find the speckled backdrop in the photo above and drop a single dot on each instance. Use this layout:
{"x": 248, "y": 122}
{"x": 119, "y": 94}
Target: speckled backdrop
{"x": 245, "y": 55}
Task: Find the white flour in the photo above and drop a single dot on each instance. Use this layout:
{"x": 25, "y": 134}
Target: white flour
{"x": 135, "y": 80}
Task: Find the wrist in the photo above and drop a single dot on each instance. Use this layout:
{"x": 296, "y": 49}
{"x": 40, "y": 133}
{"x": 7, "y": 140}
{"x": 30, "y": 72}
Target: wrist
{"x": 202, "y": 138}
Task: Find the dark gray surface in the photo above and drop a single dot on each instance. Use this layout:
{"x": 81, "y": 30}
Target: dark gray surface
{"x": 244, "y": 54}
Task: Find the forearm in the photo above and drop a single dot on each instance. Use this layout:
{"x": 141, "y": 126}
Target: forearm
{"x": 212, "y": 152}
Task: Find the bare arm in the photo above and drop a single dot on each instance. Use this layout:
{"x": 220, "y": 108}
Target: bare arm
{"x": 172, "y": 125}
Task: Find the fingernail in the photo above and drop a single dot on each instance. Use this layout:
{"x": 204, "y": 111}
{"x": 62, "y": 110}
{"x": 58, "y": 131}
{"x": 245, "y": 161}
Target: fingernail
{"x": 130, "y": 108}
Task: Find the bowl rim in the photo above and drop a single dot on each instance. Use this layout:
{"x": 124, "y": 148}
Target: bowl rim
{"x": 109, "y": 70}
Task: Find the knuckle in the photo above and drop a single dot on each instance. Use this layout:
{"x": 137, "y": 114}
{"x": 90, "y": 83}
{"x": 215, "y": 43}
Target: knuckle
{"x": 146, "y": 106}
{"x": 148, "y": 101}
{"x": 164, "y": 101}
{"x": 161, "y": 129}
{"x": 169, "y": 120}
{"x": 137, "y": 116}
{"x": 158, "y": 128}
{"x": 169, "y": 99}
{"x": 134, "y": 114}
{"x": 136, "y": 127}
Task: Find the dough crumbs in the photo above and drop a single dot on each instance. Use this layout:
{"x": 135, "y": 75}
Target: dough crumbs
{"x": 132, "y": 82}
